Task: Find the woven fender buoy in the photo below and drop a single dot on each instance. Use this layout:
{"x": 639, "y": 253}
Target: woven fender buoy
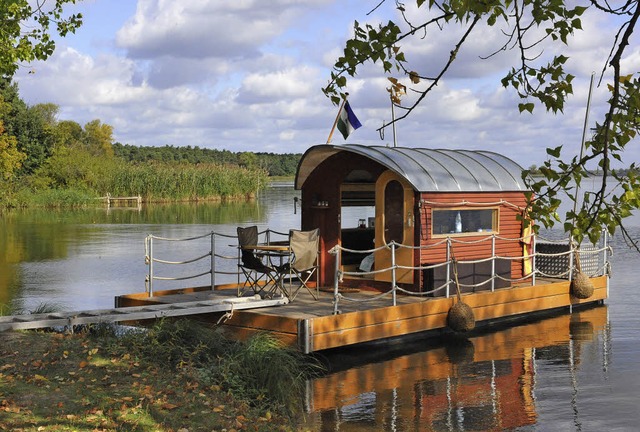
{"x": 581, "y": 286}
{"x": 460, "y": 317}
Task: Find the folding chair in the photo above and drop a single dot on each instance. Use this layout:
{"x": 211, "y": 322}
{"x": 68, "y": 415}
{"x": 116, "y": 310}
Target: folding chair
{"x": 303, "y": 262}
{"x": 258, "y": 276}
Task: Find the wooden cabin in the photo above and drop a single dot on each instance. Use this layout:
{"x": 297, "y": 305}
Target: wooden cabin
{"x": 363, "y": 197}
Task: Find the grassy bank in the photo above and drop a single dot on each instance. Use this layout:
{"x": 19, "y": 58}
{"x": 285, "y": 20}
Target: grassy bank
{"x": 178, "y": 376}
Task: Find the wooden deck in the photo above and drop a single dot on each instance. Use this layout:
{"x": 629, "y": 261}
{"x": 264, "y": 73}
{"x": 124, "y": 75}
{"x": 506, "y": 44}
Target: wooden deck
{"x": 311, "y": 325}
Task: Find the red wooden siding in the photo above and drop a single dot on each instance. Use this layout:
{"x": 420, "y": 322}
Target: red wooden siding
{"x": 508, "y": 227}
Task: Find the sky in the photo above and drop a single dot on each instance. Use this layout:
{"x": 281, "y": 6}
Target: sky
{"x": 246, "y": 75}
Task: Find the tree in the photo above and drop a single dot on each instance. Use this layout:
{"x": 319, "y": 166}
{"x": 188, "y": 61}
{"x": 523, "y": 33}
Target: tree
{"x": 68, "y": 133}
{"x": 26, "y": 31}
{"x": 30, "y": 126}
{"x": 99, "y": 138}
{"x": 248, "y": 160}
{"x": 525, "y": 25}
{"x": 10, "y": 157}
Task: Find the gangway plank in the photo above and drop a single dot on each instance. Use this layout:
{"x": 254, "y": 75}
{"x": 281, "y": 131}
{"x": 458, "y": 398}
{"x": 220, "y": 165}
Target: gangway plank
{"x": 134, "y": 313}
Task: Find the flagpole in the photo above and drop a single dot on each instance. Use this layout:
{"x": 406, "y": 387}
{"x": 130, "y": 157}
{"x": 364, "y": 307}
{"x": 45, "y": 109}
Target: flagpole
{"x": 393, "y": 120}
{"x": 335, "y": 122}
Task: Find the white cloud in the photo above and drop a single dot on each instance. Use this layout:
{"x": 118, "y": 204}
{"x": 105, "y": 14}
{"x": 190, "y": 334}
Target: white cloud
{"x": 246, "y": 75}
{"x": 202, "y": 28}
{"x": 284, "y": 84}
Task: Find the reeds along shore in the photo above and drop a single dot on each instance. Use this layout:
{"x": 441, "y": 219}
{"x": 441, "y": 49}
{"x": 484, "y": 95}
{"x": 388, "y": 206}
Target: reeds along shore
{"x": 153, "y": 182}
{"x": 162, "y": 182}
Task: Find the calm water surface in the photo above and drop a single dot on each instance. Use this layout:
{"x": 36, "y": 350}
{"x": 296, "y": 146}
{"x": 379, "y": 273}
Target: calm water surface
{"x": 569, "y": 372}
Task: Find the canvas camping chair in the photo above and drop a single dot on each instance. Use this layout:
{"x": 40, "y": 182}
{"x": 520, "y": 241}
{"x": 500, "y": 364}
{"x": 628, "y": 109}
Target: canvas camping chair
{"x": 303, "y": 262}
{"x": 258, "y": 276}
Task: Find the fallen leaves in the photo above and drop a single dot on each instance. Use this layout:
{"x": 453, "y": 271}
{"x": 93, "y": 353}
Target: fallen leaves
{"x": 169, "y": 406}
{"x": 68, "y": 380}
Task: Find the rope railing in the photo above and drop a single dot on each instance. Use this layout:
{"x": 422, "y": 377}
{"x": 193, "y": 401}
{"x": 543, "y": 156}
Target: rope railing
{"x": 566, "y": 255}
{"x": 213, "y": 270}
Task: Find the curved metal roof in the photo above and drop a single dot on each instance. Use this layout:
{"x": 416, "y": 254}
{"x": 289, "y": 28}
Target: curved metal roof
{"x": 429, "y": 170}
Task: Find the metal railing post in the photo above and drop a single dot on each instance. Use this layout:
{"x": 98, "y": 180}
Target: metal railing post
{"x": 493, "y": 262}
{"x": 336, "y": 293}
{"x": 533, "y": 259}
{"x": 213, "y": 260}
{"x": 393, "y": 271}
{"x": 150, "y": 266}
{"x": 605, "y": 255}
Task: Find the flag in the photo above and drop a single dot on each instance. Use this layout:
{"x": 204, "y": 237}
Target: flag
{"x": 347, "y": 120}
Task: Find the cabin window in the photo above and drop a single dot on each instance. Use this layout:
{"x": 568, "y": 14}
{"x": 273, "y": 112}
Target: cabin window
{"x": 358, "y": 205}
{"x": 463, "y": 221}
{"x": 393, "y": 212}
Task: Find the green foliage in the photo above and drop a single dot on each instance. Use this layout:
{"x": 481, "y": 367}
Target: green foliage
{"x": 75, "y": 168}
{"x": 605, "y": 208}
{"x": 98, "y": 138}
{"x": 52, "y": 198}
{"x": 10, "y": 157}
{"x": 26, "y": 31}
{"x": 28, "y": 125}
{"x": 260, "y": 370}
{"x": 537, "y": 80}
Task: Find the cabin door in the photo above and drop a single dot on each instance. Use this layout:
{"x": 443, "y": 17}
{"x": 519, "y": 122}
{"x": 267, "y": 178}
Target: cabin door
{"x": 394, "y": 222}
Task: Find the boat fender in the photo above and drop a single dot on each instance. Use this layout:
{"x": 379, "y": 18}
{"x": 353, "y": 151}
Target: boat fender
{"x": 581, "y": 286}
{"x": 460, "y": 316}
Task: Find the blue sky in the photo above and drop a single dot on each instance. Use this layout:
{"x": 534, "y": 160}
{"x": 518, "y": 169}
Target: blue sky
{"x": 247, "y": 76}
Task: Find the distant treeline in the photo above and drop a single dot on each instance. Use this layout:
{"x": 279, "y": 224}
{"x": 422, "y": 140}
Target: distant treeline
{"x": 275, "y": 164}
{"x": 46, "y": 162}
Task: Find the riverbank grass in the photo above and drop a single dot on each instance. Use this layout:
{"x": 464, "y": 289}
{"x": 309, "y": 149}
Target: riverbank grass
{"x": 158, "y": 380}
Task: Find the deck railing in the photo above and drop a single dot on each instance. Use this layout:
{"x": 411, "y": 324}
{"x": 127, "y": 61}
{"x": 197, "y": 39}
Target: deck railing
{"x": 221, "y": 246}
{"x": 548, "y": 258}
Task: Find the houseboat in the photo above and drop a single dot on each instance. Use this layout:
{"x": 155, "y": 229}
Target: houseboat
{"x": 405, "y": 234}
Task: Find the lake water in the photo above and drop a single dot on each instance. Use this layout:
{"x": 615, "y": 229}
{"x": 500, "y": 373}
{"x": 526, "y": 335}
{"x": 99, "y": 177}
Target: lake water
{"x": 567, "y": 372}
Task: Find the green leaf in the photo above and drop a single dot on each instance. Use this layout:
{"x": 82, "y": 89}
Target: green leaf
{"x": 555, "y": 152}
{"x": 526, "y": 107}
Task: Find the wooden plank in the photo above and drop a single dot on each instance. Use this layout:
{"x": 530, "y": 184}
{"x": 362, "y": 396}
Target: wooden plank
{"x": 136, "y": 313}
{"x": 530, "y": 305}
{"x": 348, "y": 336}
{"x": 380, "y": 315}
{"x": 259, "y": 321}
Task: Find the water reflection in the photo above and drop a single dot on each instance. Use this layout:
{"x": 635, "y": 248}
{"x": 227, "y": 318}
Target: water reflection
{"x": 83, "y": 258}
{"x": 486, "y": 382}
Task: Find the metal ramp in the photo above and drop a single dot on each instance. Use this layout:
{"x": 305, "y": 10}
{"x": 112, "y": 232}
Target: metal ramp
{"x": 70, "y": 319}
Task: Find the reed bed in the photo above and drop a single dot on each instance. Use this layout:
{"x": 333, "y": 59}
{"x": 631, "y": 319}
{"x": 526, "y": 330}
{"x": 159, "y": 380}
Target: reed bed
{"x": 185, "y": 182}
{"x": 154, "y": 182}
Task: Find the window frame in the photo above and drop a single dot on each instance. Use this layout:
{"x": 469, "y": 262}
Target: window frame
{"x": 495, "y": 222}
